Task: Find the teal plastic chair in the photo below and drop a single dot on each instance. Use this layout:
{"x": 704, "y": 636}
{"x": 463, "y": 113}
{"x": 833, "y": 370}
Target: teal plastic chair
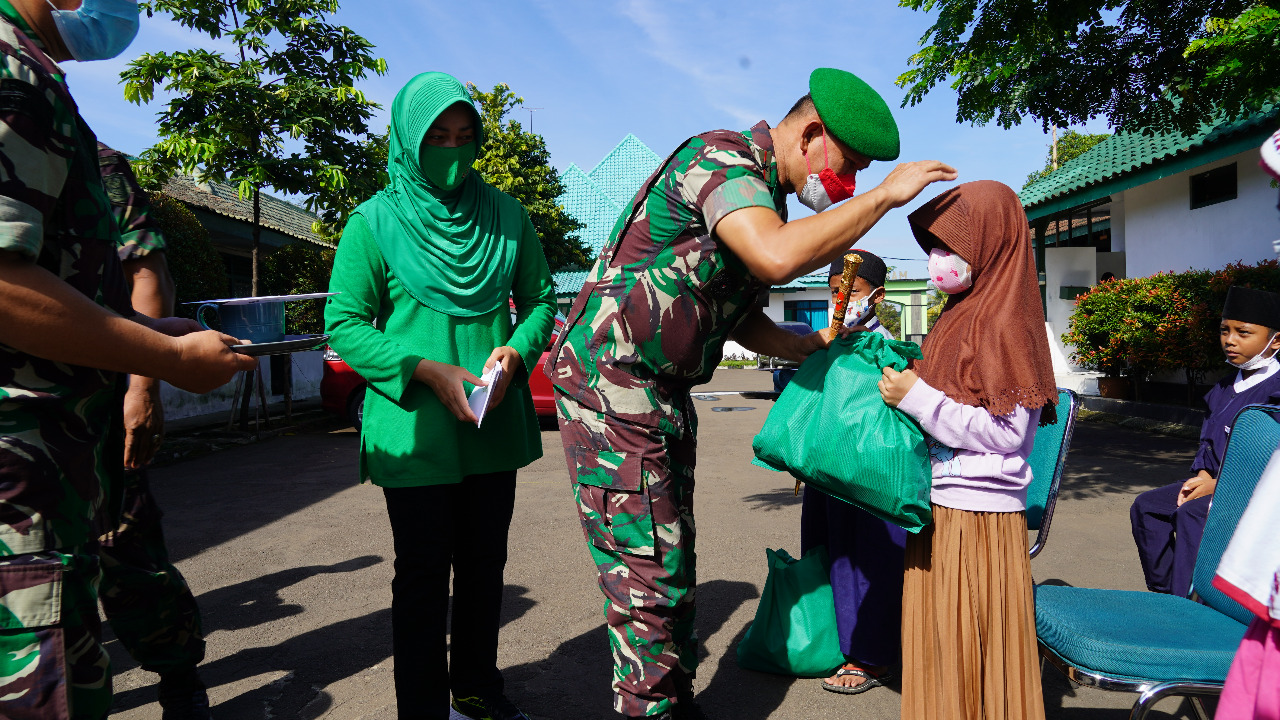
{"x": 1048, "y": 456}
{"x": 1163, "y": 645}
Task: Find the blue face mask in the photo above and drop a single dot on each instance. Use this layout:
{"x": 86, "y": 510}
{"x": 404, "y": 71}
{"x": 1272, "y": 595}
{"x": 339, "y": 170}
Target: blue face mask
{"x": 98, "y": 29}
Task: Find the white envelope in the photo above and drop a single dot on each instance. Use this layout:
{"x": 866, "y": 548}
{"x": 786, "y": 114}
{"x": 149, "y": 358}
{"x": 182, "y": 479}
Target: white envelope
{"x": 479, "y": 397}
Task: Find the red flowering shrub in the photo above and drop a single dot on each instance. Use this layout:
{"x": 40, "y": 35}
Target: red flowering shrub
{"x": 1168, "y": 321}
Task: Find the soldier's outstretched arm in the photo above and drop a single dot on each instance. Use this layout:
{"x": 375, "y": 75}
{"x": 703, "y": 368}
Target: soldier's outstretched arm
{"x": 43, "y": 316}
{"x": 778, "y": 252}
{"x": 760, "y": 334}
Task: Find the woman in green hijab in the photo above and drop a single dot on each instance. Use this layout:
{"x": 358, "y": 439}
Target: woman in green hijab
{"x": 424, "y": 271}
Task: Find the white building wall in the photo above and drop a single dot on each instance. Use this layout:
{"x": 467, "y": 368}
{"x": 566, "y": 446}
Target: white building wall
{"x": 1065, "y": 267}
{"x": 777, "y": 301}
{"x": 1159, "y": 232}
{"x": 307, "y": 372}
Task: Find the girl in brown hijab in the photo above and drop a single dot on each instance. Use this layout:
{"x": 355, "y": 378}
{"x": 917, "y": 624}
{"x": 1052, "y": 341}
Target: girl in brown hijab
{"x": 985, "y": 383}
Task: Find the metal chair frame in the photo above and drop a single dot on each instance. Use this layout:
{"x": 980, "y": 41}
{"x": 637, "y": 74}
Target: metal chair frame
{"x": 1150, "y": 691}
{"x": 1051, "y": 501}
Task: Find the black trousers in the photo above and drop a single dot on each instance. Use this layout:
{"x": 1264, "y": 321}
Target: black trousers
{"x": 462, "y": 527}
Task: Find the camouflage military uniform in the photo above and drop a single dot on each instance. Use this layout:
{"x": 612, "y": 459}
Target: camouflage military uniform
{"x": 145, "y": 598}
{"x": 61, "y": 433}
{"x": 650, "y": 323}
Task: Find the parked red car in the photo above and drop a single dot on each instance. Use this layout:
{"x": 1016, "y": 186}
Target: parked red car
{"x": 342, "y": 389}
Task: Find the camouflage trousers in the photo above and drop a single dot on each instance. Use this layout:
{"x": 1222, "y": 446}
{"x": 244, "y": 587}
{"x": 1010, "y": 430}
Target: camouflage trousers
{"x": 52, "y": 662}
{"x": 145, "y": 598}
{"x": 634, "y": 490}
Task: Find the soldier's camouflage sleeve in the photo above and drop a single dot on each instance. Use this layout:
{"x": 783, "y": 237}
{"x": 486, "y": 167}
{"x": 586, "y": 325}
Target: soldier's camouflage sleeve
{"x": 140, "y": 235}
{"x": 36, "y": 149}
{"x": 722, "y": 179}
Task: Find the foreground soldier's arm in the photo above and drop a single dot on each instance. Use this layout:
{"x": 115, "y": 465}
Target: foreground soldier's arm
{"x": 759, "y": 334}
{"x": 43, "y": 316}
{"x": 778, "y": 252}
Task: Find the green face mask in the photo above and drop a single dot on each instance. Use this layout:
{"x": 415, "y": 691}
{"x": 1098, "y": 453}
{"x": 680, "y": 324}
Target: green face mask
{"x": 447, "y": 167}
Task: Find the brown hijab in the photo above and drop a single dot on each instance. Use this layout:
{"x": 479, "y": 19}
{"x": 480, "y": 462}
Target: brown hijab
{"x": 989, "y": 347}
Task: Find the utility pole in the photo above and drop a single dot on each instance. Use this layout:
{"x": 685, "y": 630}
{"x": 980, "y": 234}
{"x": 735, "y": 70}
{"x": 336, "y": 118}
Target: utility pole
{"x": 1054, "y": 151}
{"x": 531, "y": 110}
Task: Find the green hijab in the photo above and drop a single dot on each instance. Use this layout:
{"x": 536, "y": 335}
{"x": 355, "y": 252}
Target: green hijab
{"x": 455, "y": 250}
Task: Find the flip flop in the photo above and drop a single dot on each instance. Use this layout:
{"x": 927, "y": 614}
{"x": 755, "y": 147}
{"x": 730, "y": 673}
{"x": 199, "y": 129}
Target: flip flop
{"x": 868, "y": 681}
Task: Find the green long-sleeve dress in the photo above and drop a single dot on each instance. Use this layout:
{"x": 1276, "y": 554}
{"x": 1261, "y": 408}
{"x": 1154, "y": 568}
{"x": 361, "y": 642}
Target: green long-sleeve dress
{"x": 409, "y": 437}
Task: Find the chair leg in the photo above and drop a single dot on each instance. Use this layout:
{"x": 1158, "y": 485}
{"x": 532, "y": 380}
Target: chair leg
{"x": 1155, "y": 694}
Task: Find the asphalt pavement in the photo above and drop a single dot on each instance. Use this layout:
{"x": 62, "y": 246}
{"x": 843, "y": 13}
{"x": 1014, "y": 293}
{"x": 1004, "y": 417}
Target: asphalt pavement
{"x": 291, "y": 561}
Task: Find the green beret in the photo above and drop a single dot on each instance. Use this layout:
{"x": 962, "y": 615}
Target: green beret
{"x": 855, "y": 113}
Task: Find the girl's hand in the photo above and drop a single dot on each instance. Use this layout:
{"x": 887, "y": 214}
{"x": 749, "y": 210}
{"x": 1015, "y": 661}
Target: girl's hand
{"x": 510, "y": 360}
{"x": 895, "y": 385}
{"x": 446, "y": 382}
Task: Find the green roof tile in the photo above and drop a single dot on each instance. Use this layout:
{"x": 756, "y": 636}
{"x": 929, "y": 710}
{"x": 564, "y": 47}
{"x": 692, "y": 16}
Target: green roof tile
{"x": 1129, "y": 159}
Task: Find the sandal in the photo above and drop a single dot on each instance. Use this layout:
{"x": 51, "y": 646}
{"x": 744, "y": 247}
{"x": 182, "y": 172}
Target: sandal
{"x": 869, "y": 680}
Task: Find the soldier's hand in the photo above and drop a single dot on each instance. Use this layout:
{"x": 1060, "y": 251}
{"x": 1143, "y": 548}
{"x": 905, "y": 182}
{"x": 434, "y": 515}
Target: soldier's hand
{"x": 908, "y": 180}
{"x": 207, "y": 362}
{"x": 813, "y": 342}
{"x": 143, "y": 422}
{"x": 446, "y": 382}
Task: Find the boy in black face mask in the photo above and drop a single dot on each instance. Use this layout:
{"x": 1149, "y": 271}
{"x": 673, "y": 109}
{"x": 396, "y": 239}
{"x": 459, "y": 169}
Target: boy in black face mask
{"x": 1250, "y": 340}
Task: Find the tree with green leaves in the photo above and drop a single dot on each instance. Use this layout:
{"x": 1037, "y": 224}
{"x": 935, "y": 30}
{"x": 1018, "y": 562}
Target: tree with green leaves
{"x": 1149, "y": 65}
{"x": 1070, "y": 146}
{"x": 517, "y": 163}
{"x": 281, "y": 112}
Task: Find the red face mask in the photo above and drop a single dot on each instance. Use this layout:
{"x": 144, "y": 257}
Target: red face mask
{"x": 838, "y": 187}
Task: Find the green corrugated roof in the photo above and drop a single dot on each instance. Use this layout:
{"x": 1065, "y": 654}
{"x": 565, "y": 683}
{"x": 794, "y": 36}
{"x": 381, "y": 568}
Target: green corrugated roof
{"x": 1126, "y": 160}
{"x": 569, "y": 282}
{"x": 597, "y": 198}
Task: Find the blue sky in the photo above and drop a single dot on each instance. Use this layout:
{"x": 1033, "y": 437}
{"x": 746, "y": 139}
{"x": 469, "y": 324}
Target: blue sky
{"x": 661, "y": 69}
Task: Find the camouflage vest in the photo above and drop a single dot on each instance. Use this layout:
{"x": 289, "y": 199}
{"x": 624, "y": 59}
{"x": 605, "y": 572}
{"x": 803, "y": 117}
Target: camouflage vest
{"x": 656, "y": 309}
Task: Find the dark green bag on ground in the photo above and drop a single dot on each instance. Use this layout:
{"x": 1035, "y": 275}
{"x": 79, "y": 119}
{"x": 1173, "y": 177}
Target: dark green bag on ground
{"x": 831, "y": 429}
{"x": 794, "y": 632}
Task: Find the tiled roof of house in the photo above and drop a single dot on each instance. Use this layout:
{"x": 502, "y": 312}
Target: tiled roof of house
{"x": 587, "y": 201}
{"x": 598, "y": 197}
{"x": 222, "y": 198}
{"x": 621, "y": 173}
{"x": 1126, "y": 156}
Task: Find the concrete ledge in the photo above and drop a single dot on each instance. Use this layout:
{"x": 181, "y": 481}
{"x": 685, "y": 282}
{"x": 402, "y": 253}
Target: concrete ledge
{"x": 1148, "y": 411}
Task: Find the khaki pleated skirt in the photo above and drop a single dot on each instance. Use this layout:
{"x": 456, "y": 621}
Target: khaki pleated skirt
{"x": 968, "y": 620}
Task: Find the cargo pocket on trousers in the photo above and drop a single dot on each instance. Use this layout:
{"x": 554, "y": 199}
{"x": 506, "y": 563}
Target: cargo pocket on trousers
{"x": 613, "y": 501}
{"x": 32, "y": 646}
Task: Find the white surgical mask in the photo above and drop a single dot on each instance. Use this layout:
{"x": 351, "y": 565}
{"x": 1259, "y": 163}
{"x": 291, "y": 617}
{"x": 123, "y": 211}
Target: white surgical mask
{"x": 1260, "y": 360}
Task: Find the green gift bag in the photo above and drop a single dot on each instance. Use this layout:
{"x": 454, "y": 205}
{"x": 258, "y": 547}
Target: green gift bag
{"x": 794, "y": 632}
{"x": 831, "y": 429}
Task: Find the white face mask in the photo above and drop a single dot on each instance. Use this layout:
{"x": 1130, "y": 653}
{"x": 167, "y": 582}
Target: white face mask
{"x": 860, "y": 310}
{"x": 1260, "y": 360}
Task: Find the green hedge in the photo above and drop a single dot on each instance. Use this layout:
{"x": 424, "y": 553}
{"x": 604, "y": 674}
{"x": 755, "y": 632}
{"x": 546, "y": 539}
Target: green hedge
{"x": 1165, "y": 322}
{"x": 197, "y": 269}
{"x": 293, "y": 270}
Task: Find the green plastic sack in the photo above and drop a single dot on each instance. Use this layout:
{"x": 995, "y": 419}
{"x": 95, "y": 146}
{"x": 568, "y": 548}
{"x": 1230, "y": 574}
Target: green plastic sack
{"x": 794, "y": 632}
{"x": 831, "y": 429}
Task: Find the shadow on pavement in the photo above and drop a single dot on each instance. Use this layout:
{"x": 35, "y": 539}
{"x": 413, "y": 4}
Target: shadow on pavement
{"x": 1108, "y": 459}
{"x": 311, "y": 661}
{"x": 576, "y": 679}
{"x": 231, "y": 493}
{"x": 775, "y": 499}
{"x": 257, "y": 601}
